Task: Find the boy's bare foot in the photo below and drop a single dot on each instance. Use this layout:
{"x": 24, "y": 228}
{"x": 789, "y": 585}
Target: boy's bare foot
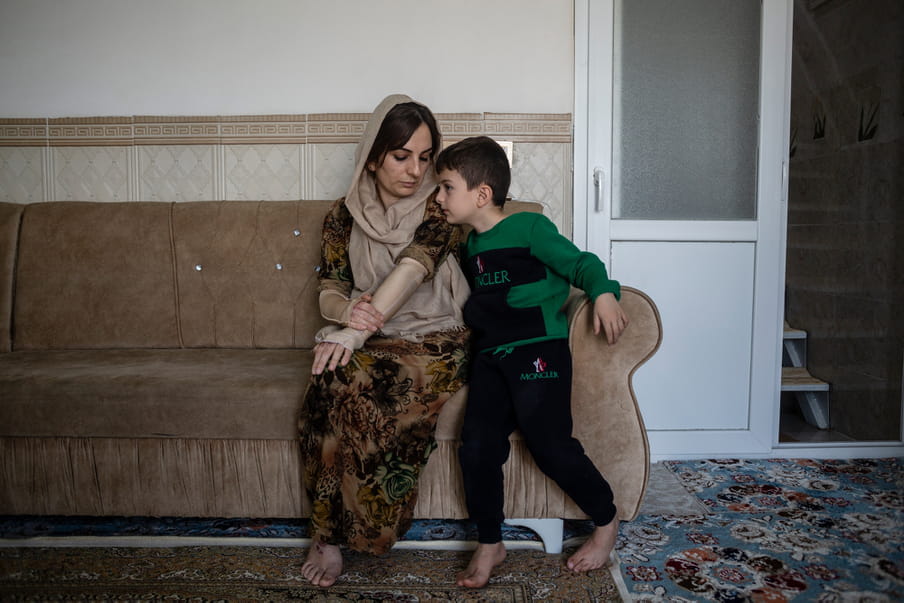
{"x": 485, "y": 558}
{"x": 594, "y": 553}
{"x": 323, "y": 565}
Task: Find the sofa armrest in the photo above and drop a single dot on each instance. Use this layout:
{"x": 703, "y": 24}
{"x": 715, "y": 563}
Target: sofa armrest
{"x": 607, "y": 419}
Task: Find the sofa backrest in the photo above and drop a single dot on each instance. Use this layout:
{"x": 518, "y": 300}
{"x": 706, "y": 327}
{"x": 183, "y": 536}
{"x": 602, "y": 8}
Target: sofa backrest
{"x": 166, "y": 275}
{"x": 95, "y": 275}
{"x": 227, "y": 274}
{"x": 247, "y": 272}
{"x": 10, "y": 216}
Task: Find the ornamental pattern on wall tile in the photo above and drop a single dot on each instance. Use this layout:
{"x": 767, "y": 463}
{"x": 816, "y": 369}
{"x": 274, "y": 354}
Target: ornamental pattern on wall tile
{"x": 176, "y": 173}
{"x": 541, "y": 172}
{"x": 90, "y": 173}
{"x": 270, "y": 172}
{"x": 90, "y": 131}
{"x": 21, "y": 174}
{"x": 331, "y": 169}
{"x": 263, "y": 129}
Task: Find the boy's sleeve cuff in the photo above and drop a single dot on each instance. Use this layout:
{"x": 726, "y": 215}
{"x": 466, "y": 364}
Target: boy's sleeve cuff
{"x": 613, "y": 287}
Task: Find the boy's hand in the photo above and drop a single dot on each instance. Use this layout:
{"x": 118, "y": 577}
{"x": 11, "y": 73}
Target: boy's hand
{"x": 609, "y": 314}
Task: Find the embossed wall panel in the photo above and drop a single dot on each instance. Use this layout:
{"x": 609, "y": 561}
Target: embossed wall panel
{"x": 332, "y": 165}
{"x": 90, "y": 173}
{"x": 270, "y": 172}
{"x": 176, "y": 173}
{"x": 541, "y": 172}
{"x": 21, "y": 174}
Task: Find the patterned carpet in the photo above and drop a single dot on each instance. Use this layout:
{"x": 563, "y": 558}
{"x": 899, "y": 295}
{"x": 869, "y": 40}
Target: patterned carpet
{"x": 711, "y": 530}
{"x": 776, "y": 530}
{"x": 252, "y": 573}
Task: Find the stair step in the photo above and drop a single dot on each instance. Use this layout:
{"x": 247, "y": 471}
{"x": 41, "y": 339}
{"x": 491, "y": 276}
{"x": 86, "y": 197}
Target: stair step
{"x": 792, "y": 333}
{"x": 799, "y": 379}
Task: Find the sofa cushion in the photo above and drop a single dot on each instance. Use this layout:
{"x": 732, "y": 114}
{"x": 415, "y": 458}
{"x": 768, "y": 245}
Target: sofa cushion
{"x": 95, "y": 275}
{"x": 10, "y": 215}
{"x": 212, "y": 393}
{"x": 247, "y": 272}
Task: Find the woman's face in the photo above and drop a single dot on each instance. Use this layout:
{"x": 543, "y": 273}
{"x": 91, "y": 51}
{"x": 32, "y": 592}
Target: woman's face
{"x": 402, "y": 170}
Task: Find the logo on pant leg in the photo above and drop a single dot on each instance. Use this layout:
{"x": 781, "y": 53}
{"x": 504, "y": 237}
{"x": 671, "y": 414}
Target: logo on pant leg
{"x": 540, "y": 371}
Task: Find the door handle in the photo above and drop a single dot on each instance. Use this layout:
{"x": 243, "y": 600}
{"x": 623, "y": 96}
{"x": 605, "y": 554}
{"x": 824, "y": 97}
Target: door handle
{"x": 599, "y": 181}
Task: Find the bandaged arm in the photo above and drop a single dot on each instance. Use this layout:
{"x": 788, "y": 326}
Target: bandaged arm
{"x": 391, "y": 295}
{"x": 336, "y": 307}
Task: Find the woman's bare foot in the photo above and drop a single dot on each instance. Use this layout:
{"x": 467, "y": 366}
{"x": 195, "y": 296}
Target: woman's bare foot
{"x": 323, "y": 565}
{"x": 594, "y": 553}
{"x": 485, "y": 558}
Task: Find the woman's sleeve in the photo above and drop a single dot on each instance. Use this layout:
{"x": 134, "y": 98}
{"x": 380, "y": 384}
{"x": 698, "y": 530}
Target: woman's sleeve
{"x": 335, "y": 269}
{"x": 433, "y": 240}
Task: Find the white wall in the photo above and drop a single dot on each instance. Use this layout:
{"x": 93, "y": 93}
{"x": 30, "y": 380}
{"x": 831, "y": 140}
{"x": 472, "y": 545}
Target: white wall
{"x": 227, "y": 57}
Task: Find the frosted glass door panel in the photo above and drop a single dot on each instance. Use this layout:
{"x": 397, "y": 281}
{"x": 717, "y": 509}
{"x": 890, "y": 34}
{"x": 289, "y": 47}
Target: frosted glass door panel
{"x": 686, "y": 90}
{"x": 700, "y": 377}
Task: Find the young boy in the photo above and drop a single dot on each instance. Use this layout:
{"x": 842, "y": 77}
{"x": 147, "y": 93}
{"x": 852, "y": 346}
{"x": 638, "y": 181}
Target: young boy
{"x": 521, "y": 271}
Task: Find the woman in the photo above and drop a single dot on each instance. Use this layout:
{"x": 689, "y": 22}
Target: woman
{"x": 397, "y": 349}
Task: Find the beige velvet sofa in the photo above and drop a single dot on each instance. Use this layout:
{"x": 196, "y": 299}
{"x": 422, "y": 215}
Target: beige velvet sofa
{"x": 153, "y": 357}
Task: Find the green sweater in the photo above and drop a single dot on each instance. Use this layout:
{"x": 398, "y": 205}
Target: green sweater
{"x": 521, "y": 272}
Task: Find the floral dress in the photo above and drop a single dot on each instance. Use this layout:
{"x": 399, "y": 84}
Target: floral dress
{"x": 367, "y": 428}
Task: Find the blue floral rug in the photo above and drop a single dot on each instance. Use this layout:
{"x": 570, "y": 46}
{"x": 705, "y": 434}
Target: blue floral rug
{"x": 777, "y": 530}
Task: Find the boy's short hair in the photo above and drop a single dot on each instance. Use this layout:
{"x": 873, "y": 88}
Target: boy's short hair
{"x": 479, "y": 160}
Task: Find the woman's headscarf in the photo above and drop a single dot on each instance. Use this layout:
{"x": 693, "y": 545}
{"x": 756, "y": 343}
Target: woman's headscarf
{"x": 379, "y": 235}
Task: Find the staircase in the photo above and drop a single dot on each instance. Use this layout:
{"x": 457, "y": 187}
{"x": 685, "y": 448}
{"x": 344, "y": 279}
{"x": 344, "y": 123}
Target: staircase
{"x": 812, "y": 393}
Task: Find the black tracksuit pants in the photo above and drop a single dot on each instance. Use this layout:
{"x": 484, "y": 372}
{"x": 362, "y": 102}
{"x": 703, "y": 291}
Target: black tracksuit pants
{"x": 527, "y": 387}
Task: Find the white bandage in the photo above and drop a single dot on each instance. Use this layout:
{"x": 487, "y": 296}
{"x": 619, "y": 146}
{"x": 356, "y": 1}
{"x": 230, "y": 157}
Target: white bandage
{"x": 336, "y": 307}
{"x": 391, "y": 295}
{"x": 347, "y": 337}
{"x": 395, "y": 290}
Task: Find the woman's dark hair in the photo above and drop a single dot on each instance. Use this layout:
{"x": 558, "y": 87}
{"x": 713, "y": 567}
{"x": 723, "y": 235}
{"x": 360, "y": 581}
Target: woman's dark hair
{"x": 397, "y": 128}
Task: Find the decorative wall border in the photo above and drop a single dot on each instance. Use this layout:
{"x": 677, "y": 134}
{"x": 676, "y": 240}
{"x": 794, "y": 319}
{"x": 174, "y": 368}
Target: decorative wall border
{"x": 23, "y": 132}
{"x": 264, "y": 129}
{"x": 90, "y": 131}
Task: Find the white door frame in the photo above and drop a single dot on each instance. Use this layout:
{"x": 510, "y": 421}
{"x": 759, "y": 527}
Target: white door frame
{"x": 761, "y": 439}
{"x": 769, "y": 231}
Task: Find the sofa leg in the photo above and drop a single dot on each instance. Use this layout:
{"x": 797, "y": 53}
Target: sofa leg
{"x": 550, "y": 531}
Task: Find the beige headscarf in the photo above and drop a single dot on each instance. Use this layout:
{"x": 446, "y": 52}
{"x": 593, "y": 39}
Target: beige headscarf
{"x": 379, "y": 236}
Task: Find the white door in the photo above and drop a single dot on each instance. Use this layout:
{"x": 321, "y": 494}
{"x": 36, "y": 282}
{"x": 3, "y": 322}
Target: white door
{"x": 681, "y": 138}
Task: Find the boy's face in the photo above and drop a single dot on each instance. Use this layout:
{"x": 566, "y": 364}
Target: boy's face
{"x": 458, "y": 203}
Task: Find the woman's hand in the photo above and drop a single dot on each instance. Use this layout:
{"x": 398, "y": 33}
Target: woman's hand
{"x": 329, "y": 354}
{"x": 364, "y": 316}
